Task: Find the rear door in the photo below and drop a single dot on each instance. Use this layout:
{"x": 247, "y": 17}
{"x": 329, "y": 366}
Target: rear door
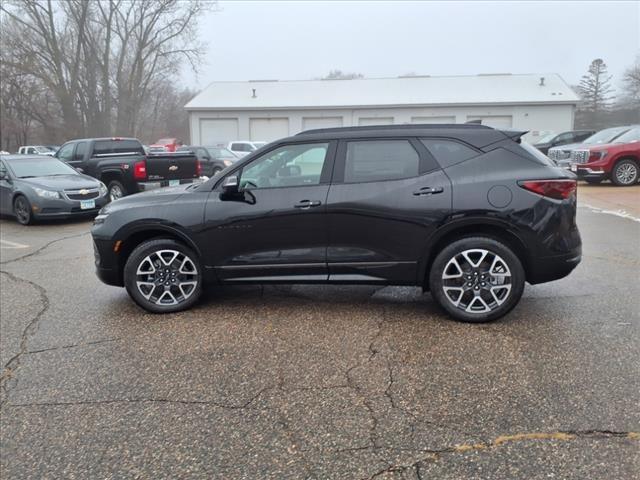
{"x": 78, "y": 155}
{"x": 386, "y": 198}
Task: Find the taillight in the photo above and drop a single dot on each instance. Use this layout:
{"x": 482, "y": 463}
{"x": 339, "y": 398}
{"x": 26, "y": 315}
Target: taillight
{"x": 140, "y": 170}
{"x": 558, "y": 189}
{"x": 198, "y": 168}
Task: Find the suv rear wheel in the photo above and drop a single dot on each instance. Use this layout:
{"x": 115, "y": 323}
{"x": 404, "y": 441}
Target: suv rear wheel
{"x": 477, "y": 279}
{"x": 163, "y": 276}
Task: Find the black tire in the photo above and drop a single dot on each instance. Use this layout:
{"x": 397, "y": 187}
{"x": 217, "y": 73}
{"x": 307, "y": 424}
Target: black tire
{"x": 22, "y": 210}
{"x": 593, "y": 181}
{"x": 155, "y": 301}
{"x": 495, "y": 248}
{"x": 625, "y": 173}
{"x": 115, "y": 190}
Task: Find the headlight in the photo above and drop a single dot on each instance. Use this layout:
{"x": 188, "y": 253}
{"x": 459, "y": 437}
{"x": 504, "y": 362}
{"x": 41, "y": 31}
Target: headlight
{"x": 227, "y": 163}
{"x": 103, "y": 189}
{"x": 100, "y": 218}
{"x": 46, "y": 193}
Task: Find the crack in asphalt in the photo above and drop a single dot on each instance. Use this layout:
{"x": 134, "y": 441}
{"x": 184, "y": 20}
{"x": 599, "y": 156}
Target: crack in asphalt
{"x": 43, "y": 247}
{"x": 13, "y": 364}
{"x": 75, "y": 345}
{"x": 566, "y": 435}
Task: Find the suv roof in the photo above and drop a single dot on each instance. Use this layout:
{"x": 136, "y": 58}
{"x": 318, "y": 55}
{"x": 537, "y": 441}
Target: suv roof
{"x": 474, "y": 134}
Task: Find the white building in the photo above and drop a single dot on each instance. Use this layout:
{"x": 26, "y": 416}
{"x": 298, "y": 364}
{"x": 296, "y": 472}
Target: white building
{"x": 270, "y": 109}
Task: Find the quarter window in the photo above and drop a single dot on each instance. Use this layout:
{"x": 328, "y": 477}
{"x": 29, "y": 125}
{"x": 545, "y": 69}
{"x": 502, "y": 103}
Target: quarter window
{"x": 448, "y": 152}
{"x": 378, "y": 160}
{"x": 286, "y": 166}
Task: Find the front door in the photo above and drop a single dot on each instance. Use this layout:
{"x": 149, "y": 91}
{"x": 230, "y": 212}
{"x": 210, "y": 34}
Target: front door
{"x": 274, "y": 228}
{"x": 387, "y": 197}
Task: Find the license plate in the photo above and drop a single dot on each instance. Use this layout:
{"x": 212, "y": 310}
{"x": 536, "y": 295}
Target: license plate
{"x": 87, "y": 204}
{"x": 174, "y": 183}
{"x": 574, "y": 167}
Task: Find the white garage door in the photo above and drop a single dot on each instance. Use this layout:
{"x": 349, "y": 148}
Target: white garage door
{"x": 495, "y": 121}
{"x": 309, "y": 123}
{"x": 375, "y": 121}
{"x": 267, "y": 129}
{"x": 443, "y": 119}
{"x": 218, "y": 130}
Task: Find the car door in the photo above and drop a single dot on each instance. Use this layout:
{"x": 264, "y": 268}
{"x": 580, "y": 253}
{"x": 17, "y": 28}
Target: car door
{"x": 386, "y": 198}
{"x": 77, "y": 156}
{"x": 274, "y": 228}
{"x": 66, "y": 152}
{"x": 6, "y": 188}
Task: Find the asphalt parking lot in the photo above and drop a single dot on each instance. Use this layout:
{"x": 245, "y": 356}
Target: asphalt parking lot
{"x": 320, "y": 382}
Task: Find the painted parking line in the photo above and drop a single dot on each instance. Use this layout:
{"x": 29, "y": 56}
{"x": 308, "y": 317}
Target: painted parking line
{"x": 7, "y": 244}
{"x": 617, "y": 213}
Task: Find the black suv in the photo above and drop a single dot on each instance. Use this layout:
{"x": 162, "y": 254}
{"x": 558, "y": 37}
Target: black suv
{"x": 465, "y": 211}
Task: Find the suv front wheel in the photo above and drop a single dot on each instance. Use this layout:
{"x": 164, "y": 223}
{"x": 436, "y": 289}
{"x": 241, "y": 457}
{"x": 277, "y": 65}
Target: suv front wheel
{"x": 163, "y": 276}
{"x": 477, "y": 279}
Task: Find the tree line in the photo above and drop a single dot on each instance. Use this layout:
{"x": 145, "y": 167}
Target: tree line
{"x": 95, "y": 68}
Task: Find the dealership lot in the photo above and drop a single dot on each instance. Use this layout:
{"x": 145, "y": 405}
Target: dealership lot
{"x": 320, "y": 382}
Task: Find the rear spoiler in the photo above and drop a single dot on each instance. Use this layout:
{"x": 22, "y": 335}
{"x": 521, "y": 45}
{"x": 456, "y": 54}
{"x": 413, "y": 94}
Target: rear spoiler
{"x": 515, "y": 135}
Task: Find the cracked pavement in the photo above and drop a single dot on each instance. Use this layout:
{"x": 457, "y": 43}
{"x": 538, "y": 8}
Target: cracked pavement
{"x": 316, "y": 381}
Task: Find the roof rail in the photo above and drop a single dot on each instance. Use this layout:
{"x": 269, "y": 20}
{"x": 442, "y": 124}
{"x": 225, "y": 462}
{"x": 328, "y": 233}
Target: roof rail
{"x": 411, "y": 126}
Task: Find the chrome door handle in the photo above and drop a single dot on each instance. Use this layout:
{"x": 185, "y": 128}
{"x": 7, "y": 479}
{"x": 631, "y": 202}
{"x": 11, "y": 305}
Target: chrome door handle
{"x": 306, "y": 204}
{"x": 428, "y": 191}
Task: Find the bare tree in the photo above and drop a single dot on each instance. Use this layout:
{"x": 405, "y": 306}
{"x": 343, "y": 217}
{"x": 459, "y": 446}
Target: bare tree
{"x": 631, "y": 83}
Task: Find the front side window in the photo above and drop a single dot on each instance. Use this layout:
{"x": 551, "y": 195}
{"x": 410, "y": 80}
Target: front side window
{"x": 378, "y": 160}
{"x": 66, "y": 152}
{"x": 286, "y": 166}
{"x": 448, "y": 152}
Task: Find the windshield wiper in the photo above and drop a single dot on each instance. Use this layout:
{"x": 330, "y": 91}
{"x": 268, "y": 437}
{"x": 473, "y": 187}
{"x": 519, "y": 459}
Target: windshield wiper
{"x": 28, "y": 176}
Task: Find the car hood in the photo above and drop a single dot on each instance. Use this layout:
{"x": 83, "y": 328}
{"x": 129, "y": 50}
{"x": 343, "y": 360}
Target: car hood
{"x": 151, "y": 197}
{"x": 62, "y": 182}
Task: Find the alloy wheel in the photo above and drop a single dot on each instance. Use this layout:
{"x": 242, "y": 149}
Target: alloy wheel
{"x": 22, "y": 210}
{"x": 115, "y": 192}
{"x": 167, "y": 277}
{"x": 477, "y": 281}
{"x": 627, "y": 173}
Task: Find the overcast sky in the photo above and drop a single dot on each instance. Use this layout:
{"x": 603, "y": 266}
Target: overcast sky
{"x": 305, "y": 39}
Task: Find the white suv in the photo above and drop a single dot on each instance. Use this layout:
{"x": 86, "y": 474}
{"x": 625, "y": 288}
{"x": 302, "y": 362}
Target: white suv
{"x": 243, "y": 147}
{"x": 36, "y": 150}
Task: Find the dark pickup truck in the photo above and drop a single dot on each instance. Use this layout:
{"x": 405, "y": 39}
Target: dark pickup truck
{"x": 122, "y": 165}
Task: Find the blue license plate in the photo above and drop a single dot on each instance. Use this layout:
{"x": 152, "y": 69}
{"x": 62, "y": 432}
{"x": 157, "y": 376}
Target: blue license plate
{"x": 174, "y": 183}
{"x": 87, "y": 204}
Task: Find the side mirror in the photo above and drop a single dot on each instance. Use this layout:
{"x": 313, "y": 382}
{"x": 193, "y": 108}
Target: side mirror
{"x": 230, "y": 185}
{"x": 79, "y": 170}
{"x": 4, "y": 176}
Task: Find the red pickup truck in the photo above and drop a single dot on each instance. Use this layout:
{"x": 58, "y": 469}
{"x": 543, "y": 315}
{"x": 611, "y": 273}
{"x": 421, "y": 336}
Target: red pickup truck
{"x": 618, "y": 161}
{"x": 165, "y": 145}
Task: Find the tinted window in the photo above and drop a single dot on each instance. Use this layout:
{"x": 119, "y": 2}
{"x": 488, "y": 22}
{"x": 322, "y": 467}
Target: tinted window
{"x": 105, "y": 147}
{"x": 287, "y": 166}
{"x": 380, "y": 160}
{"x": 80, "y": 151}
{"x": 66, "y": 152}
{"x": 448, "y": 152}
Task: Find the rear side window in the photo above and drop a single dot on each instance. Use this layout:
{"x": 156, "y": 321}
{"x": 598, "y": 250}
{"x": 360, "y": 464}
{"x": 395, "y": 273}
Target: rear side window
{"x": 537, "y": 154}
{"x": 448, "y": 152}
{"x": 81, "y": 148}
{"x": 106, "y": 147}
{"x": 374, "y": 161}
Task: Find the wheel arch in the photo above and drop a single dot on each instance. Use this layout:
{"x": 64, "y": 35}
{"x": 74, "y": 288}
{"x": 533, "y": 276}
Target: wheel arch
{"x": 492, "y": 228}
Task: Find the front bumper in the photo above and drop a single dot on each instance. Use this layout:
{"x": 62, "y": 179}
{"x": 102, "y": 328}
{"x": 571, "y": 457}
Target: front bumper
{"x": 63, "y": 208}
{"x": 106, "y": 262}
{"x": 586, "y": 172}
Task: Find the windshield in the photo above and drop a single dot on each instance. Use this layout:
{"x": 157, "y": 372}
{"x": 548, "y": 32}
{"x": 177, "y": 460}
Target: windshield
{"x": 632, "y": 135}
{"x": 546, "y": 138}
{"x": 221, "y": 153}
{"x": 606, "y": 136}
{"x": 259, "y": 144}
{"x": 43, "y": 149}
{"x": 40, "y": 167}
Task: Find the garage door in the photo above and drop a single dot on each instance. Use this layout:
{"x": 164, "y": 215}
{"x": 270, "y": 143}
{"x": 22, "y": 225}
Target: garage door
{"x": 495, "y": 121}
{"x": 267, "y": 129}
{"x": 309, "y": 123}
{"x": 375, "y": 121}
{"x": 218, "y": 130}
{"x": 431, "y": 120}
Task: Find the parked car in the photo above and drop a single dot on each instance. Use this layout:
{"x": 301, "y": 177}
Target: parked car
{"x": 121, "y": 163}
{"x": 243, "y": 147}
{"x": 165, "y": 145}
{"x": 562, "y": 155}
{"x": 618, "y": 161}
{"x": 33, "y": 187}
{"x": 212, "y": 159}
{"x": 464, "y": 211}
{"x": 36, "y": 150}
{"x": 565, "y": 138}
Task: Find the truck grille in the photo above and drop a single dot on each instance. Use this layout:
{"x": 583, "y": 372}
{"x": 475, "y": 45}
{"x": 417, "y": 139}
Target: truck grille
{"x": 559, "y": 154}
{"x": 580, "y": 156}
{"x": 87, "y": 194}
